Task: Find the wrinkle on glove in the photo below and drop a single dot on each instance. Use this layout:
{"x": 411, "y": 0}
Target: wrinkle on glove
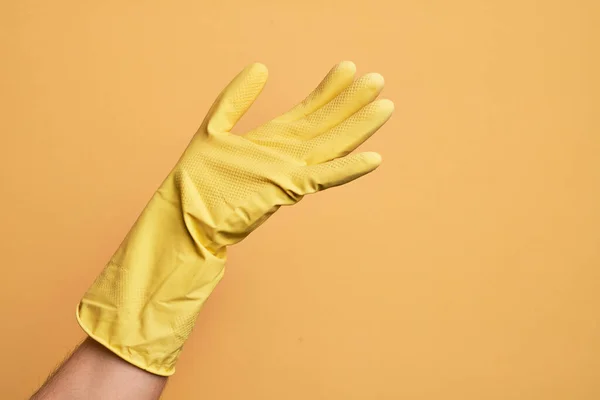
{"x": 144, "y": 304}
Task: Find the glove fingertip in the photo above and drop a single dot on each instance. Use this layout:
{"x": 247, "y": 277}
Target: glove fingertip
{"x": 346, "y": 65}
{"x": 258, "y": 68}
{"x": 372, "y": 158}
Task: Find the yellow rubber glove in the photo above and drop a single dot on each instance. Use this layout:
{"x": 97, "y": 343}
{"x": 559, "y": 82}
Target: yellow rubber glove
{"x": 144, "y": 304}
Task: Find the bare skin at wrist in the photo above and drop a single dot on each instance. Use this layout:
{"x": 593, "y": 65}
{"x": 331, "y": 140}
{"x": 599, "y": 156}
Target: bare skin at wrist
{"x": 94, "y": 372}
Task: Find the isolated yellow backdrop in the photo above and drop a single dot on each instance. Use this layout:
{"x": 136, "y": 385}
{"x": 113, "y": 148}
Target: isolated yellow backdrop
{"x": 466, "y": 267}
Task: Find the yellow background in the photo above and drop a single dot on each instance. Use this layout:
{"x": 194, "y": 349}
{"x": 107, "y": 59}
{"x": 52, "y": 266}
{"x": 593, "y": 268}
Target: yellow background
{"x": 466, "y": 267}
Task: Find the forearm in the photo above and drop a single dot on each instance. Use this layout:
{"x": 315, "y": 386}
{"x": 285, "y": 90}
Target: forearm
{"x": 93, "y": 372}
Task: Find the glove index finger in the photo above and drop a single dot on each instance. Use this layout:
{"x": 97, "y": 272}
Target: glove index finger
{"x": 336, "y": 80}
